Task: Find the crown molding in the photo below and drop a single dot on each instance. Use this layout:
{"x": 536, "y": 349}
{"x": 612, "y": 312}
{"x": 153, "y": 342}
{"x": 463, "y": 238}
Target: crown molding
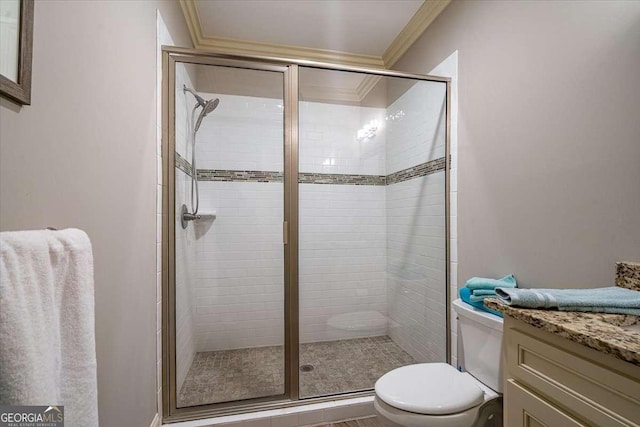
{"x": 234, "y": 46}
{"x": 191, "y": 17}
{"x": 329, "y": 94}
{"x": 427, "y": 13}
{"x": 247, "y": 47}
{"x": 365, "y": 86}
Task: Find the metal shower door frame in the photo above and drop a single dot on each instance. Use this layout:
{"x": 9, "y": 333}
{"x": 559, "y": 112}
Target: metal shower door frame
{"x": 290, "y": 70}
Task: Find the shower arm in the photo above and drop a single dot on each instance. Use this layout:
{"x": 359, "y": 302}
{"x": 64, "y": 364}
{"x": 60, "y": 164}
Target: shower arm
{"x": 199, "y": 99}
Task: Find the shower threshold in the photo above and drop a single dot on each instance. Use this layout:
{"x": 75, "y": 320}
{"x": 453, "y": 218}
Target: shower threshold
{"x": 338, "y": 367}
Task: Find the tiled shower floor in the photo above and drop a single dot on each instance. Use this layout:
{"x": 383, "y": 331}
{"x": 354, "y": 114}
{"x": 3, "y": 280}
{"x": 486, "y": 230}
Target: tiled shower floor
{"x": 339, "y": 366}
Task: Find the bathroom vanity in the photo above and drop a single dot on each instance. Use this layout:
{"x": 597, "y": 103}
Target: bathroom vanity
{"x": 570, "y": 369}
{"x": 554, "y": 381}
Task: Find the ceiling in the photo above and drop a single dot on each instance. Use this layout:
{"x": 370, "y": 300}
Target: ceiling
{"x": 369, "y": 33}
{"x": 346, "y": 26}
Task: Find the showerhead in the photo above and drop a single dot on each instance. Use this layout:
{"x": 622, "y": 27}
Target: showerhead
{"x": 201, "y": 101}
{"x": 208, "y": 107}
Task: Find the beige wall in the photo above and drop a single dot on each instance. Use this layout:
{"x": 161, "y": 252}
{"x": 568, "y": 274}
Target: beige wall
{"x": 84, "y": 155}
{"x": 549, "y": 136}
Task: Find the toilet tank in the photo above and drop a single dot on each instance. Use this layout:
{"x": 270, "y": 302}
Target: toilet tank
{"x": 481, "y": 335}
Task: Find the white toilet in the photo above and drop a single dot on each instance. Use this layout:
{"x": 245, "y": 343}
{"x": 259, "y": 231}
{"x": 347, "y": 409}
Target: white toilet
{"x": 438, "y": 395}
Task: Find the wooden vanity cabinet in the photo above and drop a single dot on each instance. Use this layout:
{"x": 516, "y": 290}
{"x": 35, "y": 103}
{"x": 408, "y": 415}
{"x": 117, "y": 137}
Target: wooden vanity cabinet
{"x": 555, "y": 382}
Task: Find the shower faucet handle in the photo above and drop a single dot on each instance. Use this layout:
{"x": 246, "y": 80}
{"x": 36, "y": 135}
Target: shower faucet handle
{"x": 190, "y": 217}
{"x": 186, "y": 216}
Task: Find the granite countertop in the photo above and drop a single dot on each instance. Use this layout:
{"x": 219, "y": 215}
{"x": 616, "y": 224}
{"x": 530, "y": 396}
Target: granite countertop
{"x": 599, "y": 331}
{"x": 628, "y": 275}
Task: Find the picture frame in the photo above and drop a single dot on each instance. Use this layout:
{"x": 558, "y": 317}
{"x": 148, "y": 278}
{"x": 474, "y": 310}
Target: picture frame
{"x": 18, "y": 87}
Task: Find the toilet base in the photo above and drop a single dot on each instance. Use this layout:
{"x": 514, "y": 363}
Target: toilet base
{"x": 393, "y": 417}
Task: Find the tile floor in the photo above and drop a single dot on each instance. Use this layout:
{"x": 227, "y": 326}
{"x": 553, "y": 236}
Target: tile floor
{"x": 338, "y": 367}
{"x": 361, "y": 422}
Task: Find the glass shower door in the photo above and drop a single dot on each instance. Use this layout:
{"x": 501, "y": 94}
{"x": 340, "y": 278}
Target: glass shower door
{"x": 309, "y": 257}
{"x": 229, "y": 255}
{"x": 372, "y": 261}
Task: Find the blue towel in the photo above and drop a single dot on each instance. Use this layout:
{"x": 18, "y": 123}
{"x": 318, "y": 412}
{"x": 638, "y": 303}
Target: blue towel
{"x": 613, "y": 300}
{"x": 481, "y": 294}
{"x": 482, "y": 288}
{"x": 465, "y": 294}
{"x": 508, "y": 281}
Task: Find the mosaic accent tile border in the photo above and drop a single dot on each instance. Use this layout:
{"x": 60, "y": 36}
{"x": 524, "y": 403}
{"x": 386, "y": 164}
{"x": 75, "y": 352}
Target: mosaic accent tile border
{"x": 420, "y": 170}
{"x": 341, "y": 179}
{"x": 225, "y": 175}
{"x": 243, "y": 176}
{"x": 183, "y": 165}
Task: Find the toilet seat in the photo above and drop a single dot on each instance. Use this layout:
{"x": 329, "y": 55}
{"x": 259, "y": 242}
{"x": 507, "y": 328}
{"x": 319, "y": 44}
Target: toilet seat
{"x": 429, "y": 389}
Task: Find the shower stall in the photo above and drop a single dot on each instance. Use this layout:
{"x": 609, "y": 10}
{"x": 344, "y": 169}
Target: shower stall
{"x": 305, "y": 230}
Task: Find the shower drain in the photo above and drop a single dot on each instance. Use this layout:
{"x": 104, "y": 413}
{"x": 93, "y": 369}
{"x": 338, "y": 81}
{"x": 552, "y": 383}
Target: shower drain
{"x": 307, "y": 368}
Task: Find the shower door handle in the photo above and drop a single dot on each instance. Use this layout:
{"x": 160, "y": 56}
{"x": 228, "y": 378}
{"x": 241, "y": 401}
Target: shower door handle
{"x": 285, "y": 232}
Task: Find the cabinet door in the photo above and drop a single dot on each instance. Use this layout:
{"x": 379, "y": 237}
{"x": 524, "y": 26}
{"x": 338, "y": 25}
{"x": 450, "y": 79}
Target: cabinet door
{"x": 525, "y": 409}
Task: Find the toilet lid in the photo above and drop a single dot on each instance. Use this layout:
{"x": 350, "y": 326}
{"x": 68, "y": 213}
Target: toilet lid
{"x": 429, "y": 388}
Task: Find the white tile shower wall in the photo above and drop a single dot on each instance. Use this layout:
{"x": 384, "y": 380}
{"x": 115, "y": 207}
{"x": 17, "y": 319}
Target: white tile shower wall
{"x": 242, "y": 133}
{"x": 449, "y": 68}
{"x": 423, "y": 122}
{"x": 342, "y": 227}
{"x": 342, "y": 257}
{"x": 183, "y": 111}
{"x": 416, "y": 253}
{"x": 185, "y": 278}
{"x": 239, "y": 291}
{"x": 185, "y": 239}
{"x": 328, "y": 141}
{"x": 239, "y": 295}
{"x": 343, "y": 239}
{"x": 415, "y": 266}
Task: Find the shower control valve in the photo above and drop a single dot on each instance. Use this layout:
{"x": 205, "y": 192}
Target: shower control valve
{"x": 185, "y": 216}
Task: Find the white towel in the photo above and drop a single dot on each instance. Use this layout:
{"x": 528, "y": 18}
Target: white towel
{"x": 47, "y": 325}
